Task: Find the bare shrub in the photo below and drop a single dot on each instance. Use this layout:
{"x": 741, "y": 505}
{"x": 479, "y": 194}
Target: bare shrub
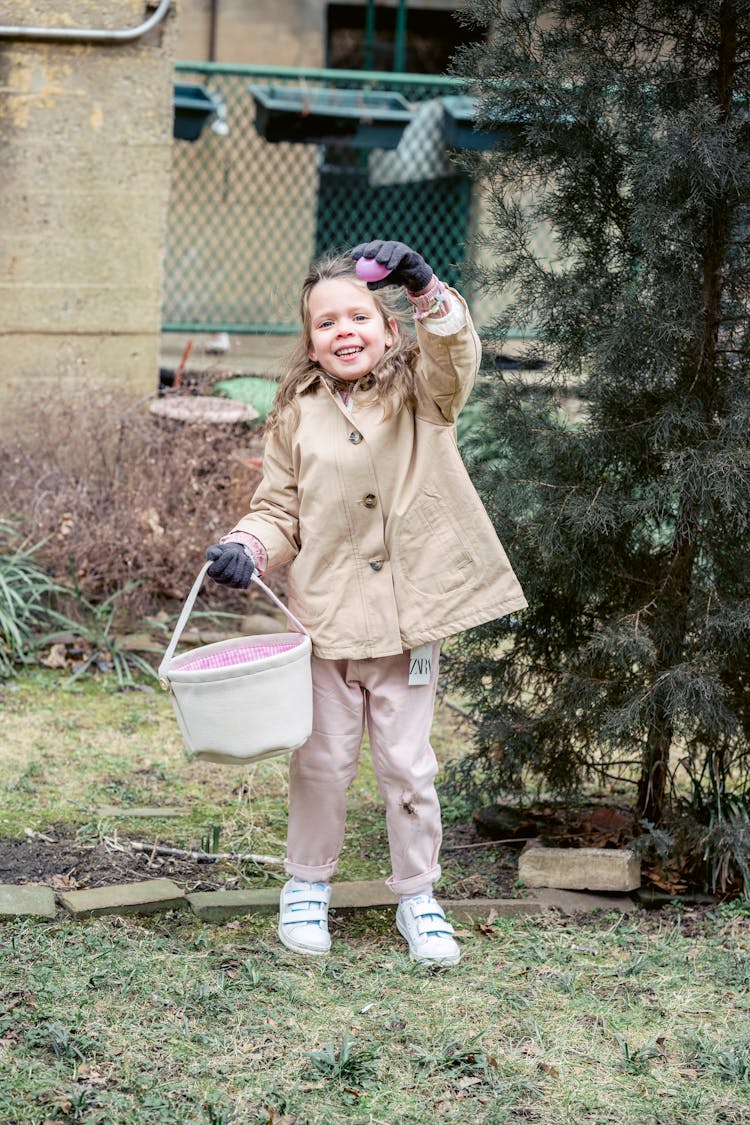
{"x": 129, "y": 501}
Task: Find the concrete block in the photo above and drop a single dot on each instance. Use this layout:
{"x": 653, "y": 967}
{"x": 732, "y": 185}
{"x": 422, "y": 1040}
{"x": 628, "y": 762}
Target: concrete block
{"x": 38, "y": 161}
{"x": 579, "y": 902}
{"x": 362, "y": 895}
{"x": 77, "y": 253}
{"x": 581, "y": 869}
{"x": 219, "y": 906}
{"x": 479, "y": 909}
{"x": 147, "y": 897}
{"x": 28, "y": 901}
{"x": 58, "y": 309}
{"x": 48, "y": 362}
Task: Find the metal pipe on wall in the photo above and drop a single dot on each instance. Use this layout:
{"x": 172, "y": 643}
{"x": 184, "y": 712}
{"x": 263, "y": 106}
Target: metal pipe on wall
{"x": 87, "y": 34}
{"x": 213, "y": 28}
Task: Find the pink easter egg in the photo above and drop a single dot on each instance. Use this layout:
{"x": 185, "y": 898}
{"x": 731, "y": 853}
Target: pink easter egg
{"x": 370, "y": 270}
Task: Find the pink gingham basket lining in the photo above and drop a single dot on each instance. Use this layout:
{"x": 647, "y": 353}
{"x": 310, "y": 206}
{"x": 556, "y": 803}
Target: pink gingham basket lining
{"x": 246, "y": 654}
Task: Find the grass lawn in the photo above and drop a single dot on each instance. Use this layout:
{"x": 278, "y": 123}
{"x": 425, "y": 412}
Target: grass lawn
{"x": 632, "y": 1020}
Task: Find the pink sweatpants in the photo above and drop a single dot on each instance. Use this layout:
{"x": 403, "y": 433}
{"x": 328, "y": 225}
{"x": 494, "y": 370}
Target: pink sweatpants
{"x": 347, "y": 694}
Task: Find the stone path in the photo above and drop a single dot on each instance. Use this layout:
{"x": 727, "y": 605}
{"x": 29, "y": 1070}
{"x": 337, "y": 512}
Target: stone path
{"x": 153, "y": 895}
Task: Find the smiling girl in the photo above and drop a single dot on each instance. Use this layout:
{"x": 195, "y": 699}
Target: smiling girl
{"x": 364, "y": 493}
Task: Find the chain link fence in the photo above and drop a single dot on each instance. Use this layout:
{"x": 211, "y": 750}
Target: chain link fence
{"x": 248, "y": 213}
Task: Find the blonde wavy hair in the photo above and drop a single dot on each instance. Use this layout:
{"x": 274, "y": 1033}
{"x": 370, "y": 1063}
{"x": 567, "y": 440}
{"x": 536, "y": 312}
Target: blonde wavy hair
{"x": 394, "y": 374}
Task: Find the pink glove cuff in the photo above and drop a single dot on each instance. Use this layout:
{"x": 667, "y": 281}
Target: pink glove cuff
{"x": 432, "y": 301}
{"x": 253, "y": 547}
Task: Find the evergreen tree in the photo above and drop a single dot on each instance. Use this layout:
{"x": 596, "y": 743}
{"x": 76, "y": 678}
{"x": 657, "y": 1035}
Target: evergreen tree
{"x": 627, "y": 137}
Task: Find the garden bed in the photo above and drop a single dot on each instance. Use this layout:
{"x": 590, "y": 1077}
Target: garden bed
{"x": 59, "y": 859}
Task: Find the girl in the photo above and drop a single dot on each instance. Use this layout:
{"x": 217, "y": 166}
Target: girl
{"x": 365, "y": 494}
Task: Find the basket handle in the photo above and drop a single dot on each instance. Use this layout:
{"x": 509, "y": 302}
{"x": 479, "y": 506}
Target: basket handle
{"x": 188, "y": 608}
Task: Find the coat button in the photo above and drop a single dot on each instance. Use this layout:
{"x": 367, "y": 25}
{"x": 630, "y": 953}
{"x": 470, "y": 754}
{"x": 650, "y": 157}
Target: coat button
{"x": 376, "y": 564}
{"x": 369, "y": 500}
{"x": 355, "y": 437}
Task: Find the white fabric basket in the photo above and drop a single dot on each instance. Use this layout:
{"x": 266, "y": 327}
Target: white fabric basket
{"x": 245, "y": 699}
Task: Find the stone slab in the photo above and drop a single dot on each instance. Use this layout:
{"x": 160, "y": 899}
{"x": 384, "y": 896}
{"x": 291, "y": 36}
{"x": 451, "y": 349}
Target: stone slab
{"x": 27, "y": 901}
{"x": 148, "y": 897}
{"x": 143, "y": 811}
{"x": 479, "y": 909}
{"x": 219, "y": 906}
{"x": 581, "y": 902}
{"x": 361, "y": 895}
{"x": 580, "y": 869}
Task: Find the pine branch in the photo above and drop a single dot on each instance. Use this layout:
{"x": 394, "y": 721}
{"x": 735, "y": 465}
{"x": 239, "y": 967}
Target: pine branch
{"x": 630, "y": 525}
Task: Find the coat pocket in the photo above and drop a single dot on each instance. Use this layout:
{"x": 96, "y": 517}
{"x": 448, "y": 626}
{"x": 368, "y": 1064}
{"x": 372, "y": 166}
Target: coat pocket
{"x": 432, "y": 554}
{"x": 309, "y": 587}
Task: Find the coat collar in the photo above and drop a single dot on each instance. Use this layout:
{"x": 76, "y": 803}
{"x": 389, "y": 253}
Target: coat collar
{"x": 366, "y": 383}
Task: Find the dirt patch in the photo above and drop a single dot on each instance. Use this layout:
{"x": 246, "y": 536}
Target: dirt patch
{"x": 58, "y": 860}
{"x": 591, "y": 826}
{"x": 64, "y": 863}
{"x": 475, "y": 867}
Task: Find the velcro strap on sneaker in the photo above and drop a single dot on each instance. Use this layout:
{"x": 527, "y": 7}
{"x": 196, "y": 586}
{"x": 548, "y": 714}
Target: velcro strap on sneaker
{"x": 431, "y": 919}
{"x": 323, "y": 897}
{"x": 290, "y": 917}
{"x": 433, "y": 909}
{"x": 436, "y": 926}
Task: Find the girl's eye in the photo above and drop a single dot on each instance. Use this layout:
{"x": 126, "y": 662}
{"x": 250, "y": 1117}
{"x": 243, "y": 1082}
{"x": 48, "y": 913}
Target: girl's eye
{"x": 325, "y": 324}
{"x": 361, "y": 316}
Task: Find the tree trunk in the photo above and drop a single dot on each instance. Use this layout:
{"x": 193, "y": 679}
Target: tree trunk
{"x": 669, "y": 629}
{"x": 672, "y": 602}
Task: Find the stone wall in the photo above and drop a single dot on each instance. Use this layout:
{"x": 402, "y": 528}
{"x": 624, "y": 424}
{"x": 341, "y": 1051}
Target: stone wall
{"x": 85, "y": 136}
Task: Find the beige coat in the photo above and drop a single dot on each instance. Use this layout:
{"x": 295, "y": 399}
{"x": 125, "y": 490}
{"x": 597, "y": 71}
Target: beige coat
{"x": 389, "y": 543}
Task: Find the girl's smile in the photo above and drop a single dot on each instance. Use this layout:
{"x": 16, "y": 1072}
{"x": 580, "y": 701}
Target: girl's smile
{"x": 348, "y": 335}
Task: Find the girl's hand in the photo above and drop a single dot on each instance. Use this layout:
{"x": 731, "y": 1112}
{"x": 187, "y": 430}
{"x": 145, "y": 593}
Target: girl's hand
{"x": 407, "y": 266}
{"x": 230, "y": 565}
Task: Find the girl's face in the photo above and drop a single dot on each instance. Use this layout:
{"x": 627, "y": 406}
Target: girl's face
{"x": 347, "y": 332}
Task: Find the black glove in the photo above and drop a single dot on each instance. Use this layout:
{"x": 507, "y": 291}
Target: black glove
{"x": 407, "y": 266}
{"x": 231, "y": 566}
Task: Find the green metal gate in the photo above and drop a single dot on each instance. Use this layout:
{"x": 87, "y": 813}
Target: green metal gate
{"x": 247, "y": 215}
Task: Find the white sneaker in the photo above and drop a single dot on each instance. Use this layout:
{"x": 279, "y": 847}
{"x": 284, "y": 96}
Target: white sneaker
{"x": 303, "y": 917}
{"x": 422, "y": 922}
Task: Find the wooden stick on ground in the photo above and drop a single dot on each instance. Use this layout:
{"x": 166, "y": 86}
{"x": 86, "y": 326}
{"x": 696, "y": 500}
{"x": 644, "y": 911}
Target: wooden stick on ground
{"x": 487, "y": 843}
{"x": 206, "y": 857}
